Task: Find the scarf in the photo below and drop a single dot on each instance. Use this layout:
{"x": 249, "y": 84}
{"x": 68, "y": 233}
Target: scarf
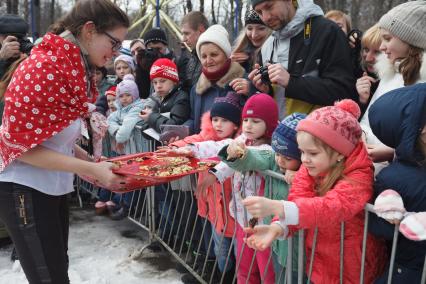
{"x": 47, "y": 93}
{"x": 217, "y": 75}
{"x": 305, "y": 10}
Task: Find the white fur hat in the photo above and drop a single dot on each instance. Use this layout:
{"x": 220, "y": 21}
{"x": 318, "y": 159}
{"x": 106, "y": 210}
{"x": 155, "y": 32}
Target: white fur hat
{"x": 215, "y": 34}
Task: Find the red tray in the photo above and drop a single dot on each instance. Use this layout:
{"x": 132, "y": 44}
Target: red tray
{"x": 130, "y": 168}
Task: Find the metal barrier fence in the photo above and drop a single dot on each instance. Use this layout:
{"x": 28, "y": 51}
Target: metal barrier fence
{"x": 169, "y": 214}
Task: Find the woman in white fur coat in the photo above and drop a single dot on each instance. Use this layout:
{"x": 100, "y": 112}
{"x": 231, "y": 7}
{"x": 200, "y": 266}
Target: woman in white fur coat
{"x": 400, "y": 64}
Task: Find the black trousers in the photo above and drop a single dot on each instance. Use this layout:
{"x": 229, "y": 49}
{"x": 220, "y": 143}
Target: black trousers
{"x": 38, "y": 225}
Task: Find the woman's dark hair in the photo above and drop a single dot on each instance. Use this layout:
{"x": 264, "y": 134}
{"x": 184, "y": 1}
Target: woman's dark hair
{"x": 103, "y": 13}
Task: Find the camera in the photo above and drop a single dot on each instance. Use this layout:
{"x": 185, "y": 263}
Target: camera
{"x": 25, "y": 45}
{"x": 146, "y": 57}
{"x": 263, "y": 71}
{"x": 357, "y": 35}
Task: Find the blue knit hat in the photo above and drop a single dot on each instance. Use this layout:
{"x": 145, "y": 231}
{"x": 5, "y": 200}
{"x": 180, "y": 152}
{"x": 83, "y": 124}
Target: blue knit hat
{"x": 284, "y": 139}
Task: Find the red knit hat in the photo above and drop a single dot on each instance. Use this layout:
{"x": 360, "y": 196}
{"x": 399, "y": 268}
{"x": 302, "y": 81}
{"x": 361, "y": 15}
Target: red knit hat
{"x": 164, "y": 68}
{"x": 337, "y": 125}
{"x": 111, "y": 91}
{"x": 264, "y": 107}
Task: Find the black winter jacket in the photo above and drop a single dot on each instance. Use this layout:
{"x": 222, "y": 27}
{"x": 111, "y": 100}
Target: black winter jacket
{"x": 320, "y": 65}
{"x": 177, "y": 103}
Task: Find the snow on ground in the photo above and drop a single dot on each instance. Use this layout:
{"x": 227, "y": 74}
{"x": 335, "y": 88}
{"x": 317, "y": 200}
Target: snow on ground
{"x": 103, "y": 251}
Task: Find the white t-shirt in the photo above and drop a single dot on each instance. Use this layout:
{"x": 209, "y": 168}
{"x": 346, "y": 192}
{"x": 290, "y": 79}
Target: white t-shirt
{"x": 47, "y": 181}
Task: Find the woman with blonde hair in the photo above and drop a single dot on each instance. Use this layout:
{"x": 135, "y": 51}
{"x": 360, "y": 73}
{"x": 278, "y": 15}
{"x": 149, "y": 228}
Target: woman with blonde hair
{"x": 370, "y": 50}
{"x": 400, "y": 64}
{"x": 248, "y": 43}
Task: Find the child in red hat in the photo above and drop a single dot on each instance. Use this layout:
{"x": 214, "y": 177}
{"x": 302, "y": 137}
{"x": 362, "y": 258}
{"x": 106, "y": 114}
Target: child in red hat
{"x": 171, "y": 99}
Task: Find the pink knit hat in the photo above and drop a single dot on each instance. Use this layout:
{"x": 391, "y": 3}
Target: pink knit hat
{"x": 264, "y": 107}
{"x": 337, "y": 125}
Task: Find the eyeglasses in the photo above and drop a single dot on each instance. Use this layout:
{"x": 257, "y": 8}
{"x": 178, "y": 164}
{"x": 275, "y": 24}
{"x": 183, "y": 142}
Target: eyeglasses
{"x": 116, "y": 44}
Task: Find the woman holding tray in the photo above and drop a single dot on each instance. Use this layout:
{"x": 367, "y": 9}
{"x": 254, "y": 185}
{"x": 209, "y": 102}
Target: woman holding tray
{"x": 46, "y": 105}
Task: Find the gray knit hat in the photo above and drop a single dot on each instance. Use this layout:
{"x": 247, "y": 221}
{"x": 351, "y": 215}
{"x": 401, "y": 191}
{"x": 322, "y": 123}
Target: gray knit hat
{"x": 407, "y": 21}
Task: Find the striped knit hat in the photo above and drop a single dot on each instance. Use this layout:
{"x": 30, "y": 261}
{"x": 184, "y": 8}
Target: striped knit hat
{"x": 284, "y": 140}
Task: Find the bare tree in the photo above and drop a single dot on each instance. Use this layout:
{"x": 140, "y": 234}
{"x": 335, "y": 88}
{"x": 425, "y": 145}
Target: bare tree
{"x": 52, "y": 11}
{"x": 188, "y": 5}
{"x": 214, "y": 20}
{"x": 12, "y": 6}
{"x": 202, "y": 6}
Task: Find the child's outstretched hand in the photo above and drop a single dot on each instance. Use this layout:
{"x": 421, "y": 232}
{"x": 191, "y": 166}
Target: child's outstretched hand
{"x": 236, "y": 150}
{"x": 260, "y": 207}
{"x": 209, "y": 180}
{"x": 261, "y": 237}
{"x": 167, "y": 151}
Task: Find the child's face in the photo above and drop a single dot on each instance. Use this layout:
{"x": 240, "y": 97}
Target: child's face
{"x": 163, "y": 86}
{"x": 316, "y": 159}
{"x": 125, "y": 99}
{"x": 122, "y": 69}
{"x": 224, "y": 128}
{"x": 286, "y": 163}
{"x": 98, "y": 77}
{"x": 254, "y": 128}
{"x": 393, "y": 47}
{"x": 111, "y": 100}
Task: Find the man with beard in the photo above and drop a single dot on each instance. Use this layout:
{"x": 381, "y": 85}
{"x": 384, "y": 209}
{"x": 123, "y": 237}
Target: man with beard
{"x": 306, "y": 61}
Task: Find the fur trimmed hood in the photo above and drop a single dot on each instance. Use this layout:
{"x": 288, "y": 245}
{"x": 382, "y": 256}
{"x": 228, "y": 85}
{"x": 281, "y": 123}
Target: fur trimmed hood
{"x": 235, "y": 71}
{"x": 386, "y": 71}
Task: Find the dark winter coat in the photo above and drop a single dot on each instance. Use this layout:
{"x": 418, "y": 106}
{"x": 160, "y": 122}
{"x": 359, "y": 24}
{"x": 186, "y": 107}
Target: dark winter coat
{"x": 397, "y": 119}
{"x": 192, "y": 71}
{"x": 177, "y": 104}
{"x": 320, "y": 67}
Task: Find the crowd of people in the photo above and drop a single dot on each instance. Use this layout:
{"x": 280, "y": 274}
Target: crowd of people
{"x": 339, "y": 113}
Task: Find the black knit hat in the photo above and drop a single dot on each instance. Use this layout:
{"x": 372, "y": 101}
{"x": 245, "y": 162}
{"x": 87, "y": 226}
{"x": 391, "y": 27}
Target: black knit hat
{"x": 255, "y": 2}
{"x": 13, "y": 24}
{"x": 228, "y": 107}
{"x": 252, "y": 17}
{"x": 155, "y": 34}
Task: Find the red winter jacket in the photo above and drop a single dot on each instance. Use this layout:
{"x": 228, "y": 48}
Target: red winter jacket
{"x": 214, "y": 205}
{"x": 344, "y": 202}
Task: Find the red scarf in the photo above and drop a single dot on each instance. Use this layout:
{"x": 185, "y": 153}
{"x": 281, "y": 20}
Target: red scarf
{"x": 47, "y": 93}
{"x": 217, "y": 75}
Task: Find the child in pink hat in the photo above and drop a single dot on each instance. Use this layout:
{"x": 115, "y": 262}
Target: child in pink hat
{"x": 332, "y": 186}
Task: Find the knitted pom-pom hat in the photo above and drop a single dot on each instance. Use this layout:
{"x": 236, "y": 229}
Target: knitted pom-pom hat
{"x": 128, "y": 86}
{"x": 337, "y": 125}
{"x": 264, "y": 107}
{"x": 227, "y": 107}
